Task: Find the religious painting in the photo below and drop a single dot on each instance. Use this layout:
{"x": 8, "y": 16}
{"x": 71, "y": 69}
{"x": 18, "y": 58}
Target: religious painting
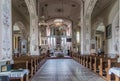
{"x": 109, "y": 31}
{"x": 92, "y": 46}
{"x": 69, "y": 40}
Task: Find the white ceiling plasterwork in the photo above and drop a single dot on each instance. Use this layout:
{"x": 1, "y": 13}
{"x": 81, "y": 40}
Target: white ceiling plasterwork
{"x": 69, "y": 9}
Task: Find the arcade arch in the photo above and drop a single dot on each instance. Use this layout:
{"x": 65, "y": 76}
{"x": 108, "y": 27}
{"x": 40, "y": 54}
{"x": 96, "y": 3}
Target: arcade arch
{"x": 19, "y": 39}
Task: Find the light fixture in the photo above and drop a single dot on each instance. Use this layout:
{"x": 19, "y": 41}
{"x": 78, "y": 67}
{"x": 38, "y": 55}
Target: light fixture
{"x": 42, "y": 22}
{"x": 58, "y": 22}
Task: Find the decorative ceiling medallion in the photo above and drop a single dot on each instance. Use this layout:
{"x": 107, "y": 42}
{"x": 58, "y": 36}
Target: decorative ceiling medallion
{"x": 59, "y": 10}
{"x": 73, "y": 5}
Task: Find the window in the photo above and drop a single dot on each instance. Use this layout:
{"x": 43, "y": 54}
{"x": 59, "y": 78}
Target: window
{"x": 78, "y": 37}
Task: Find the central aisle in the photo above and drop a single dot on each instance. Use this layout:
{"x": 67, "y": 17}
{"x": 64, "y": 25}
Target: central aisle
{"x": 64, "y": 70}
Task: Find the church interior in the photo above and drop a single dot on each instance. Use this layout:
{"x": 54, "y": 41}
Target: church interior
{"x": 59, "y": 40}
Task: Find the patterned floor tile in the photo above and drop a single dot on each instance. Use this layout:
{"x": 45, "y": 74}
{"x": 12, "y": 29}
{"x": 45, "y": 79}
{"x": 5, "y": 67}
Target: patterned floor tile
{"x": 64, "y": 70}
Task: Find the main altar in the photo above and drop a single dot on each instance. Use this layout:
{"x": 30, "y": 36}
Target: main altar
{"x": 59, "y": 53}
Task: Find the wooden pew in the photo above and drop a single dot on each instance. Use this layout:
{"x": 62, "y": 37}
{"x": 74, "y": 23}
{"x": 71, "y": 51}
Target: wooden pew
{"x": 79, "y": 56}
{"x": 96, "y": 63}
{"x": 30, "y": 63}
{"x": 87, "y": 61}
{"x": 91, "y": 63}
{"x": 80, "y": 59}
{"x": 83, "y": 60}
{"x": 103, "y": 65}
{"x": 34, "y": 62}
{"x": 116, "y": 64}
{"x": 76, "y": 57}
{"x": 22, "y": 65}
{"x": 42, "y": 58}
{"x": 112, "y": 62}
{"x": 39, "y": 60}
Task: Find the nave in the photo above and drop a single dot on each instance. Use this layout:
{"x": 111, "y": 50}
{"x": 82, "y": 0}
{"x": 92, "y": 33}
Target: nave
{"x": 64, "y": 70}
{"x": 34, "y": 31}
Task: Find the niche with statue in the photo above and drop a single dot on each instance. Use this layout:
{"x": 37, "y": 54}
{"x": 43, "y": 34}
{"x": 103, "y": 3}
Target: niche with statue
{"x": 23, "y": 46}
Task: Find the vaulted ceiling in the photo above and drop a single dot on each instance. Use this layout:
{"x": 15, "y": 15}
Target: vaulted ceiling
{"x": 100, "y": 6}
{"x": 21, "y": 7}
{"x": 69, "y": 9}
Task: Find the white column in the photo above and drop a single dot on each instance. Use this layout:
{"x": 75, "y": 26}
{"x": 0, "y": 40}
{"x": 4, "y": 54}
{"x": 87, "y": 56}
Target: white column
{"x": 34, "y": 35}
{"x": 85, "y": 34}
{"x": 5, "y": 30}
{"x": 119, "y": 31}
{"x": 82, "y": 31}
{"x": 88, "y": 35}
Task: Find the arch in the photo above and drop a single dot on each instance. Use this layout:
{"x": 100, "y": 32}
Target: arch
{"x": 75, "y": 1}
{"x": 90, "y": 8}
{"x": 99, "y": 34}
{"x": 21, "y": 27}
{"x": 96, "y": 26}
{"x": 88, "y": 12}
{"x": 68, "y": 19}
{"x": 50, "y": 21}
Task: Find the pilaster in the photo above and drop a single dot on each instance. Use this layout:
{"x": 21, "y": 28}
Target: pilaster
{"x": 5, "y": 30}
{"x": 82, "y": 30}
{"x": 34, "y": 36}
{"x": 119, "y": 31}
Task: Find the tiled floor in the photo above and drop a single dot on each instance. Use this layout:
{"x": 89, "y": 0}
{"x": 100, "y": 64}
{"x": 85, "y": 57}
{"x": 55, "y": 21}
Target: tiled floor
{"x": 64, "y": 70}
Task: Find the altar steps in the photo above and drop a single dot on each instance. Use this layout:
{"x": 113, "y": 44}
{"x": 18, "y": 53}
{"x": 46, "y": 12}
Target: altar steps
{"x": 54, "y": 57}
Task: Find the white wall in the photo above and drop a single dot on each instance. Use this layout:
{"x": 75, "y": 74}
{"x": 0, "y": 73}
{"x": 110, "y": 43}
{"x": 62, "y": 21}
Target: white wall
{"x": 5, "y": 32}
{"x": 108, "y": 15}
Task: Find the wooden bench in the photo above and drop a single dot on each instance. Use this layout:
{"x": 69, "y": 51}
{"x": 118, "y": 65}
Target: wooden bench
{"x": 103, "y": 65}
{"x": 110, "y": 64}
{"x": 30, "y": 63}
{"x": 22, "y": 65}
{"x": 117, "y": 78}
{"x": 96, "y": 63}
{"x": 87, "y": 60}
{"x": 79, "y": 56}
{"x": 91, "y": 63}
{"x": 83, "y": 60}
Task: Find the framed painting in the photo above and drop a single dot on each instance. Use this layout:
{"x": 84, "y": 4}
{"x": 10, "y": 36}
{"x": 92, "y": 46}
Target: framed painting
{"x": 109, "y": 31}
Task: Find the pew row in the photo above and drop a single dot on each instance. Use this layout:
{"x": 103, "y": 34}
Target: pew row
{"x": 32, "y": 63}
{"x": 99, "y": 64}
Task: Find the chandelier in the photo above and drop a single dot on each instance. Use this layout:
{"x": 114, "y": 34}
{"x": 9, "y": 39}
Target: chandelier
{"x": 42, "y": 22}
